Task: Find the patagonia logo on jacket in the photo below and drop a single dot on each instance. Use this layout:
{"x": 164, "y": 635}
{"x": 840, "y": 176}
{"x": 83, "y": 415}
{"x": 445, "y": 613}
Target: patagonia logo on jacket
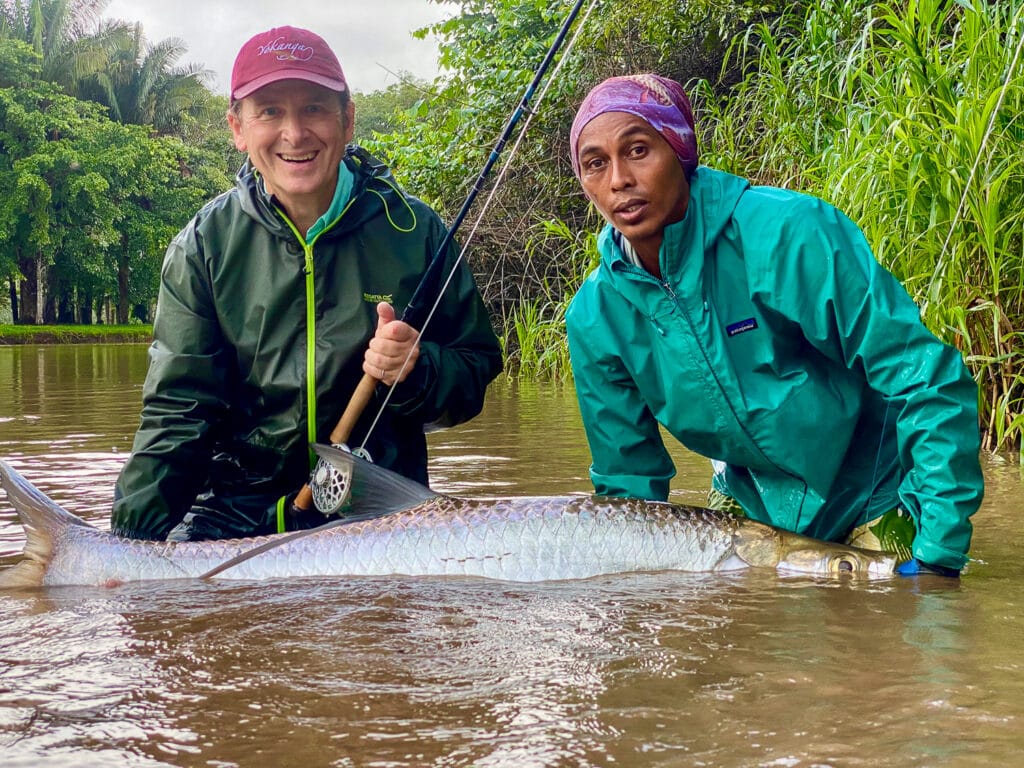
{"x": 742, "y": 326}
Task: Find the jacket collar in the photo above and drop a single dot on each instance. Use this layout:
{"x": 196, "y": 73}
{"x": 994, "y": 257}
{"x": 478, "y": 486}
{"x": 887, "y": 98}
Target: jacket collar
{"x": 714, "y": 196}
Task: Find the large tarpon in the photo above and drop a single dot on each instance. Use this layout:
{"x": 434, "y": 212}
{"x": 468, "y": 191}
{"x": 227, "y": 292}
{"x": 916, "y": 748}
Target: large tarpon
{"x": 405, "y": 529}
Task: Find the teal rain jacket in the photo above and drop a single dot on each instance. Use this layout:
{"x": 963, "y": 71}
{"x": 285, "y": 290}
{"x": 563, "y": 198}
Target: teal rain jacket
{"x": 777, "y": 344}
{"x": 258, "y": 345}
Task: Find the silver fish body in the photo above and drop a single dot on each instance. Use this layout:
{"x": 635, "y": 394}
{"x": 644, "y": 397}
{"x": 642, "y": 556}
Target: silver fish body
{"x": 513, "y": 539}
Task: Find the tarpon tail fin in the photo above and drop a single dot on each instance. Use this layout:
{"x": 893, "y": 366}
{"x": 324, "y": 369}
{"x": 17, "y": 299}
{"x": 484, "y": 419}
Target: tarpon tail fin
{"x": 376, "y": 491}
{"x": 43, "y": 519}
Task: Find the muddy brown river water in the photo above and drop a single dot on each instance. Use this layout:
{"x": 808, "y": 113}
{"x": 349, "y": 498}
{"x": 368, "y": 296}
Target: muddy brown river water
{"x": 658, "y": 669}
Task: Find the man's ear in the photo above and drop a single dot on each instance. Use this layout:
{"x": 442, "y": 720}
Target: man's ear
{"x": 236, "y": 131}
{"x": 350, "y": 121}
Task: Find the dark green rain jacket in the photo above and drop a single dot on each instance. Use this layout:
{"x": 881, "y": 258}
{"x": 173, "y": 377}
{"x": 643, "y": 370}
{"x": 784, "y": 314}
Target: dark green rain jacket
{"x": 778, "y": 345}
{"x": 258, "y": 336}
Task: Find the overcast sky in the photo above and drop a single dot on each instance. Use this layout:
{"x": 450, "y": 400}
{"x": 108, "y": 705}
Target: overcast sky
{"x": 367, "y": 35}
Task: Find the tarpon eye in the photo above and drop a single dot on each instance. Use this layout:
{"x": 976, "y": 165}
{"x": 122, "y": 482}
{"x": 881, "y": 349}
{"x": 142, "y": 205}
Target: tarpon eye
{"x": 845, "y": 566}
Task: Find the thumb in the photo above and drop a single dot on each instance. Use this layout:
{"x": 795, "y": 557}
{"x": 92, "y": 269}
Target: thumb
{"x": 385, "y": 314}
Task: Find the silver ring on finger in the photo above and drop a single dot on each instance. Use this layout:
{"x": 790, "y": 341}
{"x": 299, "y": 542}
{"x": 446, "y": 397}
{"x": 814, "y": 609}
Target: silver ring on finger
{"x": 383, "y": 373}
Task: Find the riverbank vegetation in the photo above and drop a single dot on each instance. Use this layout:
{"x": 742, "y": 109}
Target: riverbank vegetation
{"x": 906, "y": 114}
{"x": 75, "y": 334}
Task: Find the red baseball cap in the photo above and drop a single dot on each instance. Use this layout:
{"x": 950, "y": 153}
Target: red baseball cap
{"x": 285, "y": 53}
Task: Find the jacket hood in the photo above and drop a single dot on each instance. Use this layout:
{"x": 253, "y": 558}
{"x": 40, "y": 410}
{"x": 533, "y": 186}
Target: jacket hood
{"x": 370, "y": 174}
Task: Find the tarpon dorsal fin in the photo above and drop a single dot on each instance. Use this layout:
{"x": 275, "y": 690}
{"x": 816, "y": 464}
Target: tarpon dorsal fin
{"x": 376, "y": 491}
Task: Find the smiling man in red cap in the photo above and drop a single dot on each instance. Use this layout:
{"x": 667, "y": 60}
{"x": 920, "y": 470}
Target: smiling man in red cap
{"x": 276, "y": 298}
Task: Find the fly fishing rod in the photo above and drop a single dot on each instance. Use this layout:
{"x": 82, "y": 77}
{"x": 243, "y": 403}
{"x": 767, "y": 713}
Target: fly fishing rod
{"x": 326, "y": 488}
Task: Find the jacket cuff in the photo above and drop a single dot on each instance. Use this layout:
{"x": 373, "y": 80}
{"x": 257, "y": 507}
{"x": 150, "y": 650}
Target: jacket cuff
{"x": 411, "y": 393}
{"x": 929, "y": 552}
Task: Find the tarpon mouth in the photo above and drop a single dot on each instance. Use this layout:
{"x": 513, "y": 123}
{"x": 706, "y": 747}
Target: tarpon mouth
{"x": 848, "y": 561}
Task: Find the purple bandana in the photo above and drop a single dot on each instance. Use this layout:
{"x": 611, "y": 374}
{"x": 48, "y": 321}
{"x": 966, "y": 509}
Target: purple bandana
{"x": 658, "y": 100}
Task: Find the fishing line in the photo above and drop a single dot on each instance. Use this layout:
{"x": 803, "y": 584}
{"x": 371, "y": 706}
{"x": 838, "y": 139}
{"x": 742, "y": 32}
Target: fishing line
{"x": 493, "y": 191}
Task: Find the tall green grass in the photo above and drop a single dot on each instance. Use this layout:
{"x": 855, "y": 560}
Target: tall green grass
{"x": 534, "y": 341}
{"x": 907, "y": 116}
{"x": 74, "y": 334}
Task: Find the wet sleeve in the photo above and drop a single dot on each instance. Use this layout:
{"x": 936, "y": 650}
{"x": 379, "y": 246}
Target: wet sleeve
{"x": 184, "y": 399}
{"x": 628, "y": 455}
{"x": 855, "y": 311}
{"x": 459, "y": 351}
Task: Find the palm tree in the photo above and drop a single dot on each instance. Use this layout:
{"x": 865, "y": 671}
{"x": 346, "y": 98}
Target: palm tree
{"x": 141, "y": 84}
{"x": 60, "y": 31}
{"x": 110, "y": 62}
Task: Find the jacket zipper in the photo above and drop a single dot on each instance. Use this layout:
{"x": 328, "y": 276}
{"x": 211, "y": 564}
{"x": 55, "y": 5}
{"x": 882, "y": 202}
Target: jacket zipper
{"x": 670, "y": 292}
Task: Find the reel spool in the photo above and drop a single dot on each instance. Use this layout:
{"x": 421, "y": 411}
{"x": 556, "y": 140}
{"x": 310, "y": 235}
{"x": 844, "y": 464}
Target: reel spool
{"x": 331, "y": 486}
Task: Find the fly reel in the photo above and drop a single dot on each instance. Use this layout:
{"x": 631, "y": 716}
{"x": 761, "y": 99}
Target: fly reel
{"x": 332, "y": 486}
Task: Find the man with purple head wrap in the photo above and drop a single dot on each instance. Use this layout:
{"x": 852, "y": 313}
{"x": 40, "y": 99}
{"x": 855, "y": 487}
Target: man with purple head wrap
{"x": 755, "y": 326}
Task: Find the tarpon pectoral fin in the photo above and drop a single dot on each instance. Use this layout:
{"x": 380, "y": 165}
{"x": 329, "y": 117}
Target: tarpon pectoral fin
{"x": 732, "y": 563}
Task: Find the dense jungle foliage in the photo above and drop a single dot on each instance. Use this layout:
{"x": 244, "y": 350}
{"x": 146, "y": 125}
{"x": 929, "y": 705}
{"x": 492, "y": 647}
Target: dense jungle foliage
{"x": 906, "y": 114}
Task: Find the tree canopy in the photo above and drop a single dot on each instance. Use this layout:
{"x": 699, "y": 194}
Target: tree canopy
{"x": 95, "y": 191}
{"x": 906, "y": 114}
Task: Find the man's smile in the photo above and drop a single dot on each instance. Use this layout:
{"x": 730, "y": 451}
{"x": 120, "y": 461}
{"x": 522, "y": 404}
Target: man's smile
{"x": 294, "y": 158}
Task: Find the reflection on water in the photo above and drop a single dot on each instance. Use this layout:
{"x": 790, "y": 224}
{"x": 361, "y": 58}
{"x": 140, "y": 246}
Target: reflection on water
{"x": 68, "y": 420}
{"x": 529, "y": 441}
{"x": 641, "y": 670}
